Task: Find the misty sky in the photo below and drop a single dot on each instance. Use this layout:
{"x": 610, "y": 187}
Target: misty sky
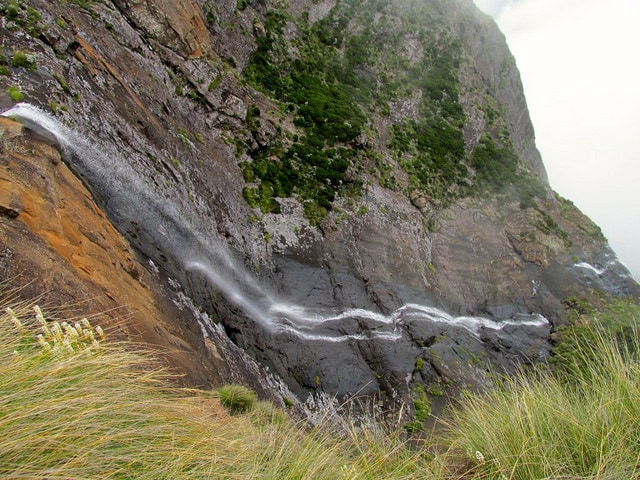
{"x": 579, "y": 65}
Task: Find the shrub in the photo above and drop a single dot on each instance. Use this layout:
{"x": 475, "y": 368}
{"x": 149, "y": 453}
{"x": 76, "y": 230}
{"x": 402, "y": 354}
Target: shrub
{"x": 23, "y": 59}
{"x": 324, "y": 106}
{"x": 15, "y": 93}
{"x": 495, "y": 166}
{"x": 237, "y": 399}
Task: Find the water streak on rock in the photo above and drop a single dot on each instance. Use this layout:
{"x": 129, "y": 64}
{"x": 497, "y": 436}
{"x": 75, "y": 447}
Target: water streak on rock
{"x": 171, "y": 233}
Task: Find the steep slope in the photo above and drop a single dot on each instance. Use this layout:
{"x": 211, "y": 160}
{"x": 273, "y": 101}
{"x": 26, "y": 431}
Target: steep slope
{"x": 351, "y": 188}
{"x": 57, "y": 246}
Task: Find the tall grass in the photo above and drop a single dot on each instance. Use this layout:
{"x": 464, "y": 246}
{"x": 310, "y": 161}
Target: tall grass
{"x": 75, "y": 406}
{"x": 581, "y": 421}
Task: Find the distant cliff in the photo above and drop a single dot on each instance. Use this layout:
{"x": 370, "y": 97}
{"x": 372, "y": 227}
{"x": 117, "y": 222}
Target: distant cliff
{"x": 351, "y": 189}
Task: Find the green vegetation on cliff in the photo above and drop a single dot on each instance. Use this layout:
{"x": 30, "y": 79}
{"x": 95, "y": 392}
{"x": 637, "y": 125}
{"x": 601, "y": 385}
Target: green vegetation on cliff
{"x": 19, "y": 15}
{"x": 313, "y": 165}
{"x": 372, "y": 80}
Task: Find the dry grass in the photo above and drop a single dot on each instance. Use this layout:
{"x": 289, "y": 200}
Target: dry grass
{"x": 76, "y": 406}
{"x": 580, "y": 422}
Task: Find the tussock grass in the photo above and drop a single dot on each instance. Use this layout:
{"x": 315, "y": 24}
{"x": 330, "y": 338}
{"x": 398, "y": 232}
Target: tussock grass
{"x": 75, "y": 406}
{"x": 581, "y": 421}
{"x": 85, "y": 410}
{"x": 237, "y": 398}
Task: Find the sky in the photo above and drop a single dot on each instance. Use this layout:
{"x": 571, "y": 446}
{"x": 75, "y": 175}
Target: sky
{"x": 580, "y": 67}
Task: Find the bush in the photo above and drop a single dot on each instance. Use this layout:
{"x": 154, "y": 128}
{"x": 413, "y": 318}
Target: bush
{"x": 237, "y": 399}
{"x": 24, "y": 59}
{"x": 15, "y": 93}
{"x": 324, "y": 106}
{"x": 496, "y": 167}
{"x": 314, "y": 174}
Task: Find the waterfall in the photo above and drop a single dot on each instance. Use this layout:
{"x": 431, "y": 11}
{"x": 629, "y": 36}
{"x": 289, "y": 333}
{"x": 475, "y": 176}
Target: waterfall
{"x": 130, "y": 202}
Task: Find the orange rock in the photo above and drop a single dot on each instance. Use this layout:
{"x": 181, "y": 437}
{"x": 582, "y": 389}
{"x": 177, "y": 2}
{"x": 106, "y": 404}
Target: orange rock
{"x": 54, "y": 239}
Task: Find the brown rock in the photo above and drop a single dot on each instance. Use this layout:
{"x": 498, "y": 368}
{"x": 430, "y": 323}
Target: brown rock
{"x": 10, "y": 204}
{"x": 177, "y": 24}
{"x": 57, "y": 241}
{"x": 9, "y": 128}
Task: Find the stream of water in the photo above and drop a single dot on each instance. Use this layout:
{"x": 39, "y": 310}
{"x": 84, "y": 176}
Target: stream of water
{"x": 129, "y": 201}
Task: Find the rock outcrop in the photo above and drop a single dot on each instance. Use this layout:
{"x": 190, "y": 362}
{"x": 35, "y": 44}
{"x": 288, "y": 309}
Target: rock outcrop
{"x": 360, "y": 222}
{"x": 58, "y": 247}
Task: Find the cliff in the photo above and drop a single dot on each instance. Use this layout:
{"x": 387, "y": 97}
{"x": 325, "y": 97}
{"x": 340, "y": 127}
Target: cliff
{"x": 351, "y": 189}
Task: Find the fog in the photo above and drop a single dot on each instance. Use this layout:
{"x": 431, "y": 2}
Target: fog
{"x": 578, "y": 61}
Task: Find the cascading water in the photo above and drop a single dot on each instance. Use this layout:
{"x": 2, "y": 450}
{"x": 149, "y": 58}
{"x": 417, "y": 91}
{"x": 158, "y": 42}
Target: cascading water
{"x": 129, "y": 202}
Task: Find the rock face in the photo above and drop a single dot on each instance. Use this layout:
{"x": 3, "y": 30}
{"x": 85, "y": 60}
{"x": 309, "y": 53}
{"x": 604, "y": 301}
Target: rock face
{"x": 58, "y": 247}
{"x": 183, "y": 30}
{"x": 356, "y": 234}
{"x": 495, "y": 65}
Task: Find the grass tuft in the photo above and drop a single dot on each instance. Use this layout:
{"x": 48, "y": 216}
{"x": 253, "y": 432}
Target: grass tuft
{"x": 15, "y": 93}
{"x": 237, "y": 399}
{"x": 566, "y": 423}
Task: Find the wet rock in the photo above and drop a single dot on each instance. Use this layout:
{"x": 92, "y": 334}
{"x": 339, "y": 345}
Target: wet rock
{"x": 158, "y": 107}
{"x": 62, "y": 250}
